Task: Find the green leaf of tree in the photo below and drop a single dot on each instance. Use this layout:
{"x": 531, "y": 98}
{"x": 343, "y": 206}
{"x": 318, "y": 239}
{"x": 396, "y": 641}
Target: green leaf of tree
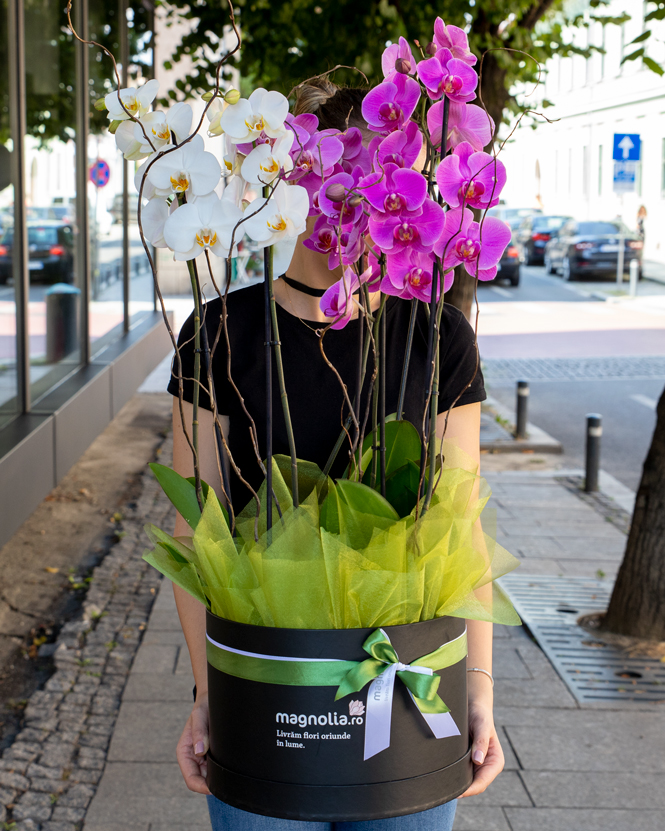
{"x": 653, "y": 66}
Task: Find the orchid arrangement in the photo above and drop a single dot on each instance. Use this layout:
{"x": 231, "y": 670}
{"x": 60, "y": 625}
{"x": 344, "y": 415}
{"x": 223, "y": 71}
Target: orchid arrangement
{"x": 396, "y": 205}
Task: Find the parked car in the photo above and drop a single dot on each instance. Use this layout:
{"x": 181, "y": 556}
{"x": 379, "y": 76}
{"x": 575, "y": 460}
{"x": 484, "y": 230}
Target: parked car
{"x": 50, "y": 252}
{"x": 591, "y": 248}
{"x": 512, "y": 216}
{"x": 508, "y": 267}
{"x": 534, "y": 233}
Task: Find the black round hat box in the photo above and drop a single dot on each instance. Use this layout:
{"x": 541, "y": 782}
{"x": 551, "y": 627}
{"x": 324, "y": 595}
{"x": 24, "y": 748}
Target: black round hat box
{"x": 261, "y": 764}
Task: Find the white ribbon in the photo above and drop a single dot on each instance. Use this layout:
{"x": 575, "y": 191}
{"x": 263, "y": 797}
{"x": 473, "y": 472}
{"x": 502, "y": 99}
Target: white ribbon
{"x": 378, "y": 716}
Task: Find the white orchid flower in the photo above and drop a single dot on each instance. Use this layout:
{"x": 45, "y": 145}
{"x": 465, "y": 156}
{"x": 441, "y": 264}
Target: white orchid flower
{"x": 136, "y": 101}
{"x": 138, "y": 139}
{"x": 207, "y": 223}
{"x": 234, "y": 192}
{"x": 148, "y": 188}
{"x": 263, "y": 112}
{"x": 265, "y": 163}
{"x": 214, "y": 115}
{"x": 188, "y": 169}
{"x": 232, "y": 158}
{"x": 153, "y": 217}
{"x": 279, "y": 223}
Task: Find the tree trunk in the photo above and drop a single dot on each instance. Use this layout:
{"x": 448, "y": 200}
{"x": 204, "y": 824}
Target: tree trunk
{"x": 461, "y": 293}
{"x": 637, "y": 607}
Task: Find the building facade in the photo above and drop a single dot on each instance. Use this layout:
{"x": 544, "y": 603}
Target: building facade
{"x": 79, "y": 328}
{"x": 565, "y": 165}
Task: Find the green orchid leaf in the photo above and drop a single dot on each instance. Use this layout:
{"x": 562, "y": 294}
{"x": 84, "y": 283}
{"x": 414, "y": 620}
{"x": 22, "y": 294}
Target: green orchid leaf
{"x": 365, "y": 500}
{"x": 207, "y": 492}
{"x": 180, "y": 491}
{"x": 402, "y": 445}
{"x": 402, "y": 488}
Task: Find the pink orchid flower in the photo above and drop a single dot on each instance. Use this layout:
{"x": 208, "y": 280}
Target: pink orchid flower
{"x": 455, "y": 39}
{"x": 397, "y": 52}
{"x": 470, "y": 178}
{"x": 409, "y": 275}
{"x": 478, "y": 246}
{"x": 355, "y": 155}
{"x": 350, "y": 246}
{"x": 338, "y": 302}
{"x": 341, "y": 208}
{"x": 419, "y": 230}
{"x": 390, "y": 105}
{"x": 323, "y": 238}
{"x": 466, "y": 122}
{"x": 401, "y": 147}
{"x": 394, "y": 189}
{"x": 445, "y": 75}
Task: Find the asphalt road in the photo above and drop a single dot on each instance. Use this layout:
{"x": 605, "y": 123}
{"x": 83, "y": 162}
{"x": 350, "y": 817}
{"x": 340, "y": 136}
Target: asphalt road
{"x": 559, "y": 407}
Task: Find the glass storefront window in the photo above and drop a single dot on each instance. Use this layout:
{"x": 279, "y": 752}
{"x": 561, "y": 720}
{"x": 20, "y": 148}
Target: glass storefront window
{"x": 8, "y": 376}
{"x": 50, "y": 176}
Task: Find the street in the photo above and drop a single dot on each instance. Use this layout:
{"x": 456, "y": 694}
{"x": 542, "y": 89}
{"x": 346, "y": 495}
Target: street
{"x": 581, "y": 354}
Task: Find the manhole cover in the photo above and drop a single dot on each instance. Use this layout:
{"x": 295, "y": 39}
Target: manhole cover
{"x": 594, "y": 672}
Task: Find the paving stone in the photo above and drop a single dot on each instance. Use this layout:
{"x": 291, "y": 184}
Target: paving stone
{"x": 164, "y": 620}
{"x": 77, "y": 796}
{"x": 23, "y": 750}
{"x": 3, "y": 813}
{"x": 58, "y": 826}
{"x": 638, "y": 791}
{"x": 30, "y": 735}
{"x": 153, "y": 688}
{"x": 507, "y": 662}
{"x": 13, "y": 765}
{"x": 91, "y": 757}
{"x": 43, "y": 772}
{"x": 68, "y": 814}
{"x": 147, "y": 733}
{"x": 566, "y": 819}
{"x": 26, "y": 825}
{"x": 46, "y": 785}
{"x": 160, "y": 637}
{"x": 36, "y": 806}
{"x": 95, "y": 740}
{"x": 156, "y": 659}
{"x": 14, "y": 781}
{"x": 468, "y": 817}
{"x": 7, "y": 796}
{"x": 85, "y": 776}
{"x": 57, "y": 754}
{"x": 507, "y": 789}
{"x": 586, "y": 740}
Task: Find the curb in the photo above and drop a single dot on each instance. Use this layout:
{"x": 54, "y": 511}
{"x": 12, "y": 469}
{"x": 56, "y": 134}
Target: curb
{"x": 538, "y": 440}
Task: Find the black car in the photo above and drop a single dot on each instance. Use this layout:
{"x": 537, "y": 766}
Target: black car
{"x": 513, "y": 217}
{"x": 534, "y": 233}
{"x": 509, "y": 265}
{"x": 591, "y": 248}
{"x": 50, "y": 252}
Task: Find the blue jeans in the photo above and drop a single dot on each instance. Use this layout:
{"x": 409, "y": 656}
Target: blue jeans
{"x": 226, "y": 818}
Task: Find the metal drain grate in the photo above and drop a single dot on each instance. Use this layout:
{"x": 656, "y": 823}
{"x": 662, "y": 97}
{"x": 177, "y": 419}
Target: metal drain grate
{"x": 593, "y": 671}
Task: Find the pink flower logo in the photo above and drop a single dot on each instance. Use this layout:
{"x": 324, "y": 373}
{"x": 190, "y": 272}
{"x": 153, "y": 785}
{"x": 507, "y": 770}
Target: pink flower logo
{"x": 356, "y": 708}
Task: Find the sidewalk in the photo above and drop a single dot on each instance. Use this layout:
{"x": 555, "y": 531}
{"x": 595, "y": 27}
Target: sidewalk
{"x": 568, "y": 767}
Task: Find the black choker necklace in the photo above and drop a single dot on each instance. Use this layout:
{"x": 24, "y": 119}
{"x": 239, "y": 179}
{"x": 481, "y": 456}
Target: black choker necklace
{"x": 298, "y": 286}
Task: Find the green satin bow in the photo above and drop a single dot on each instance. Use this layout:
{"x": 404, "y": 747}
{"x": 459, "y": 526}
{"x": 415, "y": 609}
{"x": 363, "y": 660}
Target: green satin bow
{"x": 422, "y": 686}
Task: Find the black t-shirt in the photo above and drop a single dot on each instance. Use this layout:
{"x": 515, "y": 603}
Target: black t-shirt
{"x": 315, "y": 395}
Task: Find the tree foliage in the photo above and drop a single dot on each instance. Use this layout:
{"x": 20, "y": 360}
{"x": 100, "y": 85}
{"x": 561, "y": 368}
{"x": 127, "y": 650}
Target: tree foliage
{"x": 286, "y": 42}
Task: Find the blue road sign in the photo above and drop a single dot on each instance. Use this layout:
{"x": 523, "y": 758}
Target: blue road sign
{"x": 626, "y": 147}
{"x": 100, "y": 173}
{"x": 624, "y": 177}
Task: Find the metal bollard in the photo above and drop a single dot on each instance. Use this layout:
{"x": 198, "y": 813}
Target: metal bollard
{"x": 522, "y": 409}
{"x": 594, "y": 430}
{"x": 62, "y": 321}
{"x": 634, "y": 269}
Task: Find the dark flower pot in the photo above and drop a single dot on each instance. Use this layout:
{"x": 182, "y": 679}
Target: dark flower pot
{"x": 268, "y": 756}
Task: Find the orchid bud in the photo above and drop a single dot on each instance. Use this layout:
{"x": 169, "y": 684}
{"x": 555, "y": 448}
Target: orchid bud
{"x": 100, "y": 105}
{"x": 431, "y": 49}
{"x": 336, "y": 193}
{"x": 403, "y": 66}
{"x": 113, "y": 126}
{"x": 208, "y": 96}
{"x": 354, "y": 201}
{"x": 232, "y": 96}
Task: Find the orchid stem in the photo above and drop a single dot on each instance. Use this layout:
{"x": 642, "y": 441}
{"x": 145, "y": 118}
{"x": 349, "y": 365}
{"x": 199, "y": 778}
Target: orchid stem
{"x": 382, "y": 402}
{"x": 434, "y": 408}
{"x": 267, "y": 273}
{"x": 280, "y": 380}
{"x": 375, "y": 397}
{"x": 197, "y": 378}
{"x": 407, "y": 359}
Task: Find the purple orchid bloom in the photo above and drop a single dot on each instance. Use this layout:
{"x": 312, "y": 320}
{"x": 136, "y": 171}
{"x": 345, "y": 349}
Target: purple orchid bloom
{"x": 401, "y": 147}
{"x": 317, "y": 156}
{"x": 470, "y": 178}
{"x": 394, "y": 189}
{"x": 390, "y": 105}
{"x": 455, "y": 39}
{"x": 445, "y": 75}
{"x": 466, "y": 122}
{"x": 417, "y": 230}
{"x": 409, "y": 275}
{"x": 355, "y": 155}
{"x": 478, "y": 246}
{"x": 350, "y": 247}
{"x": 323, "y": 238}
{"x": 397, "y": 52}
{"x": 337, "y": 302}
{"x": 341, "y": 207}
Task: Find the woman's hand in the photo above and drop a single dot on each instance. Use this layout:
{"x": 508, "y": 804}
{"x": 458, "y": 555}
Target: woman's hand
{"x": 193, "y": 745}
{"x": 486, "y": 752}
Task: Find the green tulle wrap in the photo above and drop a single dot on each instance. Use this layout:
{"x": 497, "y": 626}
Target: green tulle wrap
{"x": 328, "y": 564}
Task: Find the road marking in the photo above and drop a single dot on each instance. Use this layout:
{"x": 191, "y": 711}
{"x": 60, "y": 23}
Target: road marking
{"x": 502, "y": 292}
{"x": 651, "y": 403}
